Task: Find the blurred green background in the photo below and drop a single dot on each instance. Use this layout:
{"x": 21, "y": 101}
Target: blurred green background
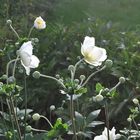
{"x": 114, "y": 24}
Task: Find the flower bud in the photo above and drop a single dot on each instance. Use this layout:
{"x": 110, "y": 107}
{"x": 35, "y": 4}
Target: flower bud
{"x": 57, "y": 76}
{"x": 76, "y": 81}
{"x": 4, "y": 77}
{"x": 59, "y": 119}
{"x": 135, "y": 101}
{"x": 82, "y": 77}
{"x": 99, "y": 98}
{"x": 70, "y": 67}
{"x": 1, "y": 84}
{"x": 106, "y": 90}
{"x": 11, "y": 80}
{"x": 108, "y": 63}
{"x": 52, "y": 107}
{"x": 9, "y": 21}
{"x": 36, "y": 74}
{"x": 28, "y": 128}
{"x": 122, "y": 80}
{"x": 36, "y": 117}
{"x": 129, "y": 119}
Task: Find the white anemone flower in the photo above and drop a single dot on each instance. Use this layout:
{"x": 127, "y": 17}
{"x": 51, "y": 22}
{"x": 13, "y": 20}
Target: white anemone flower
{"x": 39, "y": 23}
{"x": 92, "y": 54}
{"x": 28, "y": 60}
{"x": 112, "y": 135}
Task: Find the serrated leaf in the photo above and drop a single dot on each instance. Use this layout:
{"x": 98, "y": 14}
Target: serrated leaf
{"x": 99, "y": 87}
{"x": 93, "y": 115}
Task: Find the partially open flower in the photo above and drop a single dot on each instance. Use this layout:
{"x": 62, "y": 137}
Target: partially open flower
{"x": 92, "y": 54}
{"x": 39, "y": 23}
{"x": 28, "y": 60}
{"x": 112, "y": 135}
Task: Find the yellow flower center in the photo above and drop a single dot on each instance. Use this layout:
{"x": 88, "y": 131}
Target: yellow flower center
{"x": 89, "y": 57}
{"x": 39, "y": 22}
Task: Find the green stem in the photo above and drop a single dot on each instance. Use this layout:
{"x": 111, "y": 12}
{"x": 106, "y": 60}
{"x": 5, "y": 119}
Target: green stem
{"x": 14, "y": 31}
{"x": 50, "y": 77}
{"x": 115, "y": 87}
{"x": 15, "y": 117}
{"x": 38, "y": 130}
{"x": 7, "y": 68}
{"x": 75, "y": 67}
{"x": 25, "y": 116}
{"x": 90, "y": 76}
{"x": 107, "y": 119}
{"x": 136, "y": 126}
{"x": 14, "y": 68}
{"x": 47, "y": 121}
{"x": 72, "y": 117}
{"x": 30, "y": 31}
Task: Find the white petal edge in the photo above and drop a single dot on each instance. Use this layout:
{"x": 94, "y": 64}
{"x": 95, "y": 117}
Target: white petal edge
{"x": 34, "y": 62}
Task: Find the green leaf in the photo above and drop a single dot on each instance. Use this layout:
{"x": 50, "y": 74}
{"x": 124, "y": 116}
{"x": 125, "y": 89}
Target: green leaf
{"x": 79, "y": 119}
{"x": 58, "y": 129}
{"x": 95, "y": 123}
{"x": 99, "y": 87}
{"x": 93, "y": 115}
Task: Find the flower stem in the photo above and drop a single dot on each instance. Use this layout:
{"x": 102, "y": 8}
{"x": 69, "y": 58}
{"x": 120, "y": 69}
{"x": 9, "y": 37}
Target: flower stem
{"x": 15, "y": 117}
{"x": 90, "y": 76}
{"x": 115, "y": 87}
{"x": 38, "y": 130}
{"x": 107, "y": 119}
{"x": 14, "y": 68}
{"x": 75, "y": 67}
{"x": 72, "y": 117}
{"x": 50, "y": 77}
{"x": 47, "y": 121}
{"x": 14, "y": 31}
{"x": 30, "y": 31}
{"x": 25, "y": 116}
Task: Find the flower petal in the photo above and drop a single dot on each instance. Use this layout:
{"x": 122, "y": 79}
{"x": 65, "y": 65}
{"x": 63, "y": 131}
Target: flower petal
{"x": 34, "y": 62}
{"x": 26, "y": 68}
{"x": 39, "y": 23}
{"x": 87, "y": 45}
{"x": 25, "y": 58}
{"x": 26, "y": 47}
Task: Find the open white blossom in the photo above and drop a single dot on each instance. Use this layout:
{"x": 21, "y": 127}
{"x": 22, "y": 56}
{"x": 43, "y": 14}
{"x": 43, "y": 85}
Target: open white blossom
{"x": 28, "y": 60}
{"x": 39, "y": 23}
{"x": 112, "y": 135}
{"x": 92, "y": 54}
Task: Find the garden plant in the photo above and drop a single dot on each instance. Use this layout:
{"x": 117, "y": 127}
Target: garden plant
{"x": 75, "y": 119}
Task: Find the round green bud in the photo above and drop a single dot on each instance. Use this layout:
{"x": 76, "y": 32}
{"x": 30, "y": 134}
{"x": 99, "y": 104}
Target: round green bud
{"x": 121, "y": 79}
{"x": 4, "y": 77}
{"x": 63, "y": 101}
{"x": 76, "y": 81}
{"x": 135, "y": 101}
{"x": 9, "y": 21}
{"x": 28, "y": 128}
{"x": 82, "y": 77}
{"x": 71, "y": 68}
{"x": 11, "y": 80}
{"x": 129, "y": 119}
{"x": 1, "y": 84}
{"x": 106, "y": 90}
{"x": 99, "y": 98}
{"x": 108, "y": 63}
{"x": 36, "y": 74}
{"x": 36, "y": 117}
{"x": 59, "y": 119}
{"x": 52, "y": 107}
{"x": 57, "y": 76}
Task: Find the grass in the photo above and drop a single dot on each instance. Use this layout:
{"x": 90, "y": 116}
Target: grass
{"x": 123, "y": 12}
